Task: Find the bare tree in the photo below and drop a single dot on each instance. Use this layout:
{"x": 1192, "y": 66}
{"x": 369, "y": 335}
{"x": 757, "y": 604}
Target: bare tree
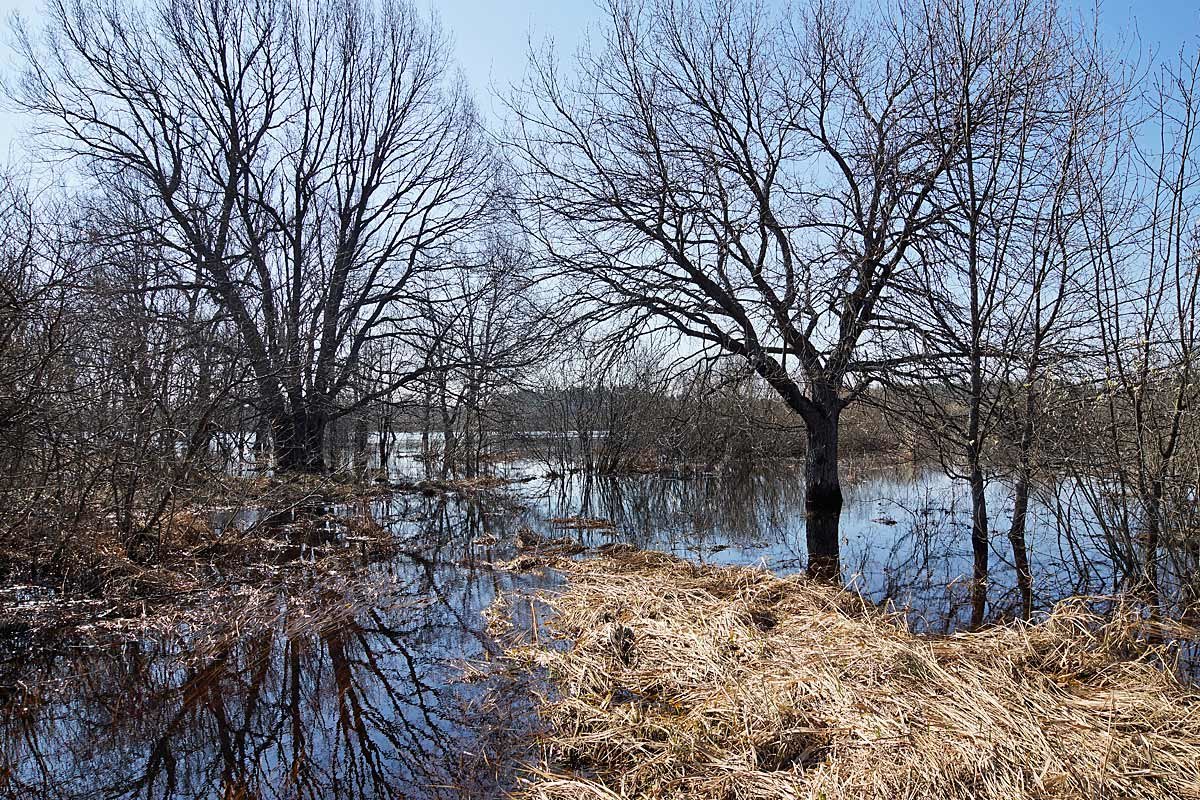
{"x": 308, "y": 164}
{"x": 754, "y": 182}
{"x": 1055, "y": 325}
{"x": 486, "y": 331}
{"x": 990, "y": 284}
{"x": 1143, "y": 246}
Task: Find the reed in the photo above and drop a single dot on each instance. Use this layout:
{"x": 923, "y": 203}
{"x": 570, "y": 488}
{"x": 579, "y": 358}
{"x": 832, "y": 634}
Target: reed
{"x": 668, "y": 679}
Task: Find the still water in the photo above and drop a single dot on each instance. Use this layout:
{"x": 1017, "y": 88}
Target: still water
{"x": 370, "y": 702}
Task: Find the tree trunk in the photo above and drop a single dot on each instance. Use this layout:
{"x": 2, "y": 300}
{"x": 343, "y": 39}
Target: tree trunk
{"x": 1152, "y": 534}
{"x": 979, "y": 541}
{"x": 449, "y": 447}
{"x": 385, "y": 444}
{"x": 300, "y": 441}
{"x": 1016, "y": 531}
{"x": 1020, "y": 550}
{"x": 361, "y": 445}
{"x": 426, "y": 432}
{"x": 822, "y": 495}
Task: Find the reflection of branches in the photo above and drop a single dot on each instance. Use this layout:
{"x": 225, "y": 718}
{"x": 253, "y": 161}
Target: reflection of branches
{"x": 359, "y": 708}
{"x": 918, "y": 563}
{"x": 742, "y": 508}
{"x": 433, "y": 585}
{"x": 358, "y": 704}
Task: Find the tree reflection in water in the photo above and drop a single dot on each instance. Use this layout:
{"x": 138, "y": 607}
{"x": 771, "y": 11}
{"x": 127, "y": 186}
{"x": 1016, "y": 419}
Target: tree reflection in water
{"x": 367, "y": 704}
{"x": 905, "y": 535}
{"x": 364, "y": 706}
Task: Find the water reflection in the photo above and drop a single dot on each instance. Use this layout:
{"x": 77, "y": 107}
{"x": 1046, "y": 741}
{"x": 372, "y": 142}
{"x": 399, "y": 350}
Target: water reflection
{"x": 357, "y": 700}
{"x": 904, "y": 533}
{"x": 358, "y": 704}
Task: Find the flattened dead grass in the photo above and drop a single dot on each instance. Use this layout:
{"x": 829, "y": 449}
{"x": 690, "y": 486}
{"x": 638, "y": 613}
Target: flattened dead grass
{"x": 685, "y": 681}
{"x": 200, "y": 574}
{"x": 581, "y": 523}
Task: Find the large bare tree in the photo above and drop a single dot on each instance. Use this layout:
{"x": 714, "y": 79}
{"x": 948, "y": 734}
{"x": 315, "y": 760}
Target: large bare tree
{"x": 754, "y": 181}
{"x": 307, "y": 163}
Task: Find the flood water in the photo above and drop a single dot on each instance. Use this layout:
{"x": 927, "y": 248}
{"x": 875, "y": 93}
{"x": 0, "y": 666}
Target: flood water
{"x": 370, "y": 703}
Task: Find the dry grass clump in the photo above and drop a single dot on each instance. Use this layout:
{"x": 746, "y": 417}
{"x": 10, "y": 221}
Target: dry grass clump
{"x": 196, "y": 570}
{"x": 685, "y": 681}
{"x": 581, "y": 523}
{"x": 279, "y": 491}
{"x": 468, "y": 487}
{"x": 544, "y": 551}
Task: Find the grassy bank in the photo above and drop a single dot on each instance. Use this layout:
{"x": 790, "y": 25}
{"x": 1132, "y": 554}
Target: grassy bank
{"x": 666, "y": 679}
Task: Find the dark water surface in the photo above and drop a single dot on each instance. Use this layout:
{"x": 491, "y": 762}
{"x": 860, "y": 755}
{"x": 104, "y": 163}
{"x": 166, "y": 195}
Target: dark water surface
{"x": 369, "y": 703}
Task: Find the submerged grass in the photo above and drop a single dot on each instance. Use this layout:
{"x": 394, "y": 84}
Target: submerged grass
{"x": 668, "y": 679}
{"x": 202, "y": 577}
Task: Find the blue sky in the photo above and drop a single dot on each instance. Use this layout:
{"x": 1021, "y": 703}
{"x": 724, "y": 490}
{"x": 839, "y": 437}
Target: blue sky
{"x": 492, "y": 36}
{"x": 491, "y": 40}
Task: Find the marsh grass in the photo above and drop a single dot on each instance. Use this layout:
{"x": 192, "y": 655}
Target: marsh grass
{"x": 668, "y": 679}
{"x": 203, "y": 578}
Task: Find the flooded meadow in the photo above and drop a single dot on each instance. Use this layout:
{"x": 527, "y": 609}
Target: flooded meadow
{"x": 387, "y": 684}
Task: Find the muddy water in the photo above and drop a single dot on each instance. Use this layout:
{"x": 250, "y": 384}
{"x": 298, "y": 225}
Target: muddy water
{"x": 368, "y": 703}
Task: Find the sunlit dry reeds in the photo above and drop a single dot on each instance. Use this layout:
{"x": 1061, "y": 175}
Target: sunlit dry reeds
{"x": 667, "y": 679}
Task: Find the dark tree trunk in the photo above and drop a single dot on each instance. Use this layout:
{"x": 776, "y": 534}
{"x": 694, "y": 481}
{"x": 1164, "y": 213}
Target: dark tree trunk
{"x": 979, "y": 542}
{"x": 385, "y": 445}
{"x": 426, "y": 432}
{"x": 822, "y": 495}
{"x": 300, "y": 441}
{"x": 1020, "y": 550}
{"x": 1016, "y": 531}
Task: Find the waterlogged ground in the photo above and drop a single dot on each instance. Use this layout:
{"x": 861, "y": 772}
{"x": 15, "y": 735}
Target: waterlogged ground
{"x": 353, "y": 698}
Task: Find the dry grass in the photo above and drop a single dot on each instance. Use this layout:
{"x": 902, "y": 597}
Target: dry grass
{"x": 684, "y": 681}
{"x": 197, "y": 572}
{"x": 469, "y": 487}
{"x": 279, "y": 491}
{"x": 581, "y": 523}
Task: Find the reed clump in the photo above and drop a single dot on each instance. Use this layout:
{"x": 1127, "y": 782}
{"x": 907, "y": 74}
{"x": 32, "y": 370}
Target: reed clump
{"x": 669, "y": 679}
